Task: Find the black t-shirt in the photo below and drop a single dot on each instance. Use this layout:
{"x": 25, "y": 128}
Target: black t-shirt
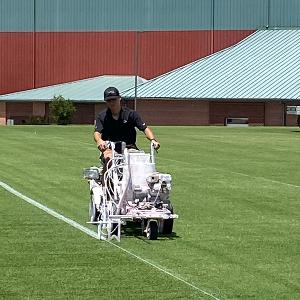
{"x": 122, "y": 129}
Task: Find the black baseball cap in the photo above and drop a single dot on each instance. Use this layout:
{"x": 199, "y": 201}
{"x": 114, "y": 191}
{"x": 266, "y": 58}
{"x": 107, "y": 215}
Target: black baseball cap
{"x": 111, "y": 93}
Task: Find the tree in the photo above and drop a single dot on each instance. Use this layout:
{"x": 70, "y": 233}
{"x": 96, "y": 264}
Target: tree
{"x": 62, "y": 110}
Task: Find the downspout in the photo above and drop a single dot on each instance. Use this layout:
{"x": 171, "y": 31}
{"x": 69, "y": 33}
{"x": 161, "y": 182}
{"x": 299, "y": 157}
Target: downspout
{"x": 34, "y": 44}
{"x": 284, "y": 113}
{"x": 213, "y": 27}
{"x": 136, "y": 66}
{"x": 268, "y": 14}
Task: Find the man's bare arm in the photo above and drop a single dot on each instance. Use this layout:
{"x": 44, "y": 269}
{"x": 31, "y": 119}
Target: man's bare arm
{"x": 150, "y": 136}
{"x": 101, "y": 145}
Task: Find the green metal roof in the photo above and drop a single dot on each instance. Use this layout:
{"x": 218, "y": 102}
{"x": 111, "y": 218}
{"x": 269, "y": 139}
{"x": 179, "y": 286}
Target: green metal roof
{"x": 265, "y": 65}
{"x": 86, "y": 90}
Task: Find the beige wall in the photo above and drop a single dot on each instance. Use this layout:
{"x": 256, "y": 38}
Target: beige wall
{"x": 2, "y": 113}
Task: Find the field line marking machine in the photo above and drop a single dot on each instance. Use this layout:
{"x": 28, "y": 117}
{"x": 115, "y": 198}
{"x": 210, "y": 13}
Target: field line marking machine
{"x": 129, "y": 189}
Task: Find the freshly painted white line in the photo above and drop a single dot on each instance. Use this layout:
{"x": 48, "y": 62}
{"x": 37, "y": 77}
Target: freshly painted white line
{"x": 94, "y": 235}
{"x": 164, "y": 271}
{"x": 49, "y": 211}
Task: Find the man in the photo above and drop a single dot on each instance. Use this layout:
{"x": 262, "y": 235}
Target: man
{"x": 118, "y": 123}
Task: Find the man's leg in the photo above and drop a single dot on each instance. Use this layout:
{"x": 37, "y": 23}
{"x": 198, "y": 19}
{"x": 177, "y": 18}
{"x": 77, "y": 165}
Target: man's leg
{"x": 105, "y": 157}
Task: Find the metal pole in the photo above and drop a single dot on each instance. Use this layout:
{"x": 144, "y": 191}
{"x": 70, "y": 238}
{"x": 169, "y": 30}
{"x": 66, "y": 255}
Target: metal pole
{"x": 34, "y": 44}
{"x": 136, "y": 64}
{"x": 212, "y": 36}
{"x": 268, "y": 16}
{"x": 284, "y": 114}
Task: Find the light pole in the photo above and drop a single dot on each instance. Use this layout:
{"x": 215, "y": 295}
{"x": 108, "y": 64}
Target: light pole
{"x": 136, "y": 65}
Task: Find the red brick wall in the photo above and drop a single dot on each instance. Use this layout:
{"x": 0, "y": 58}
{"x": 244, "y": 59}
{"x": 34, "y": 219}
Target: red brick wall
{"x": 274, "y": 114}
{"x": 2, "y": 113}
{"x": 18, "y": 111}
{"x": 164, "y": 112}
{"x": 84, "y": 113}
{"x": 38, "y": 109}
{"x": 221, "y": 110}
{"x": 291, "y": 120}
{"x": 98, "y": 108}
{"x": 174, "y": 112}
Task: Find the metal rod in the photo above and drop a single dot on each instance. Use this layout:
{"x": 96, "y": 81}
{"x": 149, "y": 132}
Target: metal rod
{"x": 268, "y": 14}
{"x": 212, "y": 31}
{"x": 136, "y": 65}
{"x": 34, "y": 44}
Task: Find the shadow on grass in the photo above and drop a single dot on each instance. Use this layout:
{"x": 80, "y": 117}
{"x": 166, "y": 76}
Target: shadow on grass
{"x": 134, "y": 229}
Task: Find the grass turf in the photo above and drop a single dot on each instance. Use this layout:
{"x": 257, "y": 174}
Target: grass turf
{"x": 235, "y": 190}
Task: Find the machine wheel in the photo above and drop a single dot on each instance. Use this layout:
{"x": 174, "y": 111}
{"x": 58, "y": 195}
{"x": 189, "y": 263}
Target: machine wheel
{"x": 94, "y": 214}
{"x": 152, "y": 230}
{"x": 167, "y": 227}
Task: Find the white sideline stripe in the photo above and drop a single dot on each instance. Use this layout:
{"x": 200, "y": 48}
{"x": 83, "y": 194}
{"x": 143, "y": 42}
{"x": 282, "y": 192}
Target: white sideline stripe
{"x": 95, "y": 235}
{"x": 49, "y": 211}
{"x": 164, "y": 271}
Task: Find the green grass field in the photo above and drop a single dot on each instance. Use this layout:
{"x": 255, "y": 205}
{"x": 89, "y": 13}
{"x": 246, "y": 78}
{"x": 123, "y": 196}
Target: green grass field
{"x": 236, "y": 191}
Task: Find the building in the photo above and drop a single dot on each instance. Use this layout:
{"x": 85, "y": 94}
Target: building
{"x": 254, "y": 79}
{"x": 51, "y": 42}
{"x": 86, "y": 94}
{"x": 47, "y": 42}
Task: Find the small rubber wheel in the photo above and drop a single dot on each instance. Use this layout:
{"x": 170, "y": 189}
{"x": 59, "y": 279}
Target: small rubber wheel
{"x": 167, "y": 226}
{"x": 152, "y": 230}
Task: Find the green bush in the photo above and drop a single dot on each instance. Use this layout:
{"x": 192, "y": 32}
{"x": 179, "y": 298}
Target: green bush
{"x": 61, "y": 110}
{"x": 38, "y": 120}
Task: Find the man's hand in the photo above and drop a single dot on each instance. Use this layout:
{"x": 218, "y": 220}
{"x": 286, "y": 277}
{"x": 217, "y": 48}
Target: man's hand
{"x": 156, "y": 144}
{"x": 101, "y": 145}
{"x": 150, "y": 136}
